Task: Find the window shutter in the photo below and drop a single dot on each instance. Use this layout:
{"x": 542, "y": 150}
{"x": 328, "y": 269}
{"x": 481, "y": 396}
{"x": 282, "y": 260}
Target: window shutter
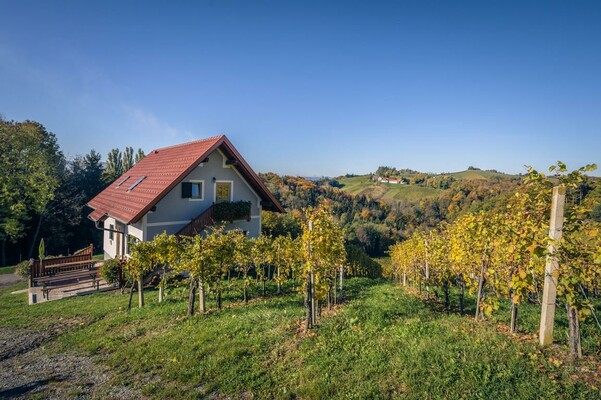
{"x": 186, "y": 190}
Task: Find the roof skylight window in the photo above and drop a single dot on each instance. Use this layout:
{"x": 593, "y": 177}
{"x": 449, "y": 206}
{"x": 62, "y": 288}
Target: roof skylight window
{"x": 136, "y": 183}
{"x": 123, "y": 181}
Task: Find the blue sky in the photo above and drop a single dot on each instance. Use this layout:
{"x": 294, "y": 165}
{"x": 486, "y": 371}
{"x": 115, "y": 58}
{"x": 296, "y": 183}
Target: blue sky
{"x": 314, "y": 88}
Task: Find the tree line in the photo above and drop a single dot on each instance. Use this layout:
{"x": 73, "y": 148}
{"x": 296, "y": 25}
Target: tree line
{"x": 374, "y": 225}
{"x": 43, "y": 194}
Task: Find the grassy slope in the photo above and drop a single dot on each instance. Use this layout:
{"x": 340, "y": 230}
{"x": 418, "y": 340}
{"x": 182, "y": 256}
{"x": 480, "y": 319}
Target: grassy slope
{"x": 478, "y": 174}
{"x": 359, "y": 185}
{"x": 383, "y": 343}
{"x": 7, "y": 270}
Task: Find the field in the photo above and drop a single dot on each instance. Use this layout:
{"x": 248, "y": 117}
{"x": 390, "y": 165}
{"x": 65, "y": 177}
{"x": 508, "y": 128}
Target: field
{"x": 363, "y": 185}
{"x": 478, "y": 174}
{"x": 385, "y": 342}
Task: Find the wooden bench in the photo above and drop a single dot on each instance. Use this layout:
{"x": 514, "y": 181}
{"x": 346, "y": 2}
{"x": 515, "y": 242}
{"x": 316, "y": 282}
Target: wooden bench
{"x": 74, "y": 267}
{"x": 65, "y": 276}
{"x": 94, "y": 281}
{"x": 79, "y": 277}
{"x": 73, "y": 264}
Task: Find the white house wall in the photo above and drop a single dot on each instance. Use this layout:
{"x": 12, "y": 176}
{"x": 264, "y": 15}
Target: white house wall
{"x": 253, "y": 227}
{"x": 110, "y": 246}
{"x": 173, "y": 212}
{"x": 136, "y": 230}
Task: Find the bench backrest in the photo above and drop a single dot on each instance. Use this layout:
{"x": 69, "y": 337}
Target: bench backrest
{"x": 42, "y": 268}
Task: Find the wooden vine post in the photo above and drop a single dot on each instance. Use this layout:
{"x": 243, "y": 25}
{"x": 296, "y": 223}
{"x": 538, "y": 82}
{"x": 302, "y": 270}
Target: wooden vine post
{"x": 427, "y": 269}
{"x": 547, "y": 318}
{"x": 309, "y": 300}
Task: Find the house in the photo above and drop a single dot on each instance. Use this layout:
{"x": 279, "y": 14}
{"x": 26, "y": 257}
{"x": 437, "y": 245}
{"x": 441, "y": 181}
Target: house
{"x": 177, "y": 189}
{"x": 396, "y": 181}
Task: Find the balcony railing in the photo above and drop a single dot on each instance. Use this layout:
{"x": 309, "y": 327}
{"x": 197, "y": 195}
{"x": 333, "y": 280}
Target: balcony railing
{"x": 220, "y": 212}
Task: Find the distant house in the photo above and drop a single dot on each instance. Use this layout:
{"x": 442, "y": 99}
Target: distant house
{"x": 398, "y": 181}
{"x": 178, "y": 189}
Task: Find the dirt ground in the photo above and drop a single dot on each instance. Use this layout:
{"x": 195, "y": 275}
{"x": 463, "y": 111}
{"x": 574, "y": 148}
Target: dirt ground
{"x": 8, "y": 280}
{"x": 29, "y": 371}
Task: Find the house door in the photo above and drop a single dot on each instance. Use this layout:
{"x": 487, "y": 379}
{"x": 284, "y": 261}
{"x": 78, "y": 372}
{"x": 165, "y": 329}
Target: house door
{"x": 223, "y": 191}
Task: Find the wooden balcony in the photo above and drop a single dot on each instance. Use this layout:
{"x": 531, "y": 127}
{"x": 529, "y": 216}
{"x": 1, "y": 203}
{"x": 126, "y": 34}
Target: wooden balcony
{"x": 220, "y": 212}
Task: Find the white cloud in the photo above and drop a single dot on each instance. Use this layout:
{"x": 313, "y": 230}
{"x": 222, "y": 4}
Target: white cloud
{"x": 151, "y": 127}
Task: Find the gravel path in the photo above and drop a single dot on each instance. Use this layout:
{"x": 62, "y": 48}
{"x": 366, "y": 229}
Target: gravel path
{"x": 28, "y": 370}
{"x": 8, "y": 280}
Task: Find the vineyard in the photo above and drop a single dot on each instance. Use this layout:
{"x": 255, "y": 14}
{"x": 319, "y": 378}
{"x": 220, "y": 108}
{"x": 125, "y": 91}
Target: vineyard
{"x": 316, "y": 258}
{"x": 296, "y": 316}
{"x": 502, "y": 255}
{"x": 382, "y": 342}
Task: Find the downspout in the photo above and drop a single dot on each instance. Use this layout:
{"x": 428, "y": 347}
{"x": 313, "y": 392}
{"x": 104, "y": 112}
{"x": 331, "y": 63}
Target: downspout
{"x": 96, "y": 224}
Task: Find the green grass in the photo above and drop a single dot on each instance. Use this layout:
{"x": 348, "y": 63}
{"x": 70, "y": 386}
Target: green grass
{"x": 416, "y": 352}
{"x": 478, "y": 174}
{"x": 362, "y": 185}
{"x": 7, "y": 270}
{"x": 383, "y": 343}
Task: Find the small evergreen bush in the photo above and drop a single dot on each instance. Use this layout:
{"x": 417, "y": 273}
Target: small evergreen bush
{"x": 23, "y": 269}
{"x": 109, "y": 271}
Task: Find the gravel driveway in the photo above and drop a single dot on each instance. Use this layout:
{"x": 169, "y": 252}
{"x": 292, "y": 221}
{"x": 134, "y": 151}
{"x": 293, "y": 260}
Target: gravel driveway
{"x": 9, "y": 279}
{"x": 28, "y": 370}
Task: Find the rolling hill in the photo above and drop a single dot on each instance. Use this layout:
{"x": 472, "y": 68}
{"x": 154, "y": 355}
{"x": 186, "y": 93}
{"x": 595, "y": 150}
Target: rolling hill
{"x": 364, "y": 185}
{"x": 479, "y": 174}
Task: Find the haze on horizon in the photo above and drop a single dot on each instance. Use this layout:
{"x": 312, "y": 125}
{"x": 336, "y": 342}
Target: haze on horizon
{"x": 314, "y": 88}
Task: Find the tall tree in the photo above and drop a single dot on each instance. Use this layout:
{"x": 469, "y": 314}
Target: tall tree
{"x": 127, "y": 159}
{"x": 139, "y": 155}
{"x": 64, "y": 224}
{"x": 30, "y": 161}
{"x": 57, "y": 222}
{"x": 118, "y": 162}
{"x": 114, "y": 166}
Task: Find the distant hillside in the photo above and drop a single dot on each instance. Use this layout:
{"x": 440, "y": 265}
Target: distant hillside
{"x": 376, "y": 214}
{"x": 364, "y": 185}
{"x": 479, "y": 174}
{"x": 429, "y": 186}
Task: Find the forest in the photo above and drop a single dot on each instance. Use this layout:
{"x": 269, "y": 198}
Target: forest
{"x": 44, "y": 194}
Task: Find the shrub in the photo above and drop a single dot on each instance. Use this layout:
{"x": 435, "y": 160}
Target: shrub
{"x": 230, "y": 211}
{"x": 109, "y": 271}
{"x": 23, "y": 269}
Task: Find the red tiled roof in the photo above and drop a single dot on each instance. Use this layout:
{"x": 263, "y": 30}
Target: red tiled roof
{"x": 162, "y": 170}
{"x": 97, "y": 215}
